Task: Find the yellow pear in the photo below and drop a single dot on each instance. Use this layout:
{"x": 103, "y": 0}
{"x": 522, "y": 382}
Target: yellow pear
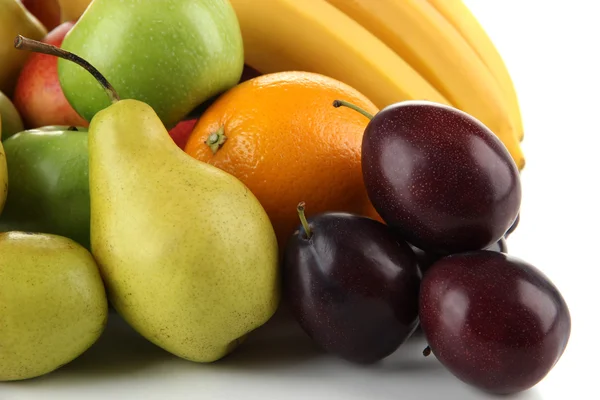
{"x": 53, "y": 304}
{"x": 11, "y": 119}
{"x": 188, "y": 253}
{"x": 15, "y": 20}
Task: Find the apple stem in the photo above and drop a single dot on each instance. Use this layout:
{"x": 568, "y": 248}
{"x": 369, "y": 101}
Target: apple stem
{"x": 305, "y": 224}
{"x": 427, "y": 351}
{"x": 215, "y": 140}
{"x": 340, "y": 103}
{"x": 23, "y": 43}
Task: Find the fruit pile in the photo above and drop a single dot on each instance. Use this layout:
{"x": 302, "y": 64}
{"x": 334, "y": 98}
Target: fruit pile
{"x": 191, "y": 163}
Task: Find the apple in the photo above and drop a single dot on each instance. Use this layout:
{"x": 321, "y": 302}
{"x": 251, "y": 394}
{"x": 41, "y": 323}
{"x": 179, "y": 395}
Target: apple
{"x": 38, "y": 95}
{"x": 182, "y": 131}
{"x": 46, "y": 11}
{"x": 48, "y": 185}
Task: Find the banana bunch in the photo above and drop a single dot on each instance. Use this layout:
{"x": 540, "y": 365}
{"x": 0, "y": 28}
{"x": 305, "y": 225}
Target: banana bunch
{"x": 390, "y": 50}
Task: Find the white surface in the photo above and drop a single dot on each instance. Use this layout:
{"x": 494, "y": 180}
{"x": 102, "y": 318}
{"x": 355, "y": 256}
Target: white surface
{"x": 551, "y": 49}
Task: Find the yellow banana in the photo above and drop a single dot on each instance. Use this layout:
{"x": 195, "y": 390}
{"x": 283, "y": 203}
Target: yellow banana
{"x": 313, "y": 36}
{"x": 419, "y": 34}
{"x": 463, "y": 20}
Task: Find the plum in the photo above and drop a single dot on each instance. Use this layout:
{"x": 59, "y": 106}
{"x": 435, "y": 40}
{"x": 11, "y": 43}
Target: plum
{"x": 439, "y": 176}
{"x": 352, "y": 285}
{"x": 493, "y": 320}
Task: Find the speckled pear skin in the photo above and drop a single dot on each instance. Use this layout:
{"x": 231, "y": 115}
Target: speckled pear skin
{"x": 188, "y": 254}
{"x": 53, "y": 303}
{"x": 171, "y": 54}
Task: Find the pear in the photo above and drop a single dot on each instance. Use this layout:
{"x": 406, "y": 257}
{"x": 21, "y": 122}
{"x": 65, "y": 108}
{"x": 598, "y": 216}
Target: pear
{"x": 171, "y": 54}
{"x": 15, "y": 19}
{"x": 53, "y": 304}
{"x": 11, "y": 119}
{"x": 187, "y": 252}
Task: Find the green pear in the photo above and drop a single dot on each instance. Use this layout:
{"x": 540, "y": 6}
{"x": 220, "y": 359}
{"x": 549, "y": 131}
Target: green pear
{"x": 53, "y": 304}
{"x": 188, "y": 254}
{"x": 170, "y": 54}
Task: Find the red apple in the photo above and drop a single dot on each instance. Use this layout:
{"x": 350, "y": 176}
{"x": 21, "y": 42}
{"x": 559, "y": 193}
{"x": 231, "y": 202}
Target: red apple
{"x": 38, "y": 95}
{"x": 181, "y": 132}
{"x": 46, "y": 11}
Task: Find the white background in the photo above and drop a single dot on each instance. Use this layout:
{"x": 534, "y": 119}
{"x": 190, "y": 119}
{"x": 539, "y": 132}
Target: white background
{"x": 551, "y": 48}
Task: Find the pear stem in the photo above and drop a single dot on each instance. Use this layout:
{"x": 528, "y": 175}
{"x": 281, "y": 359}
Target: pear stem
{"x": 340, "y": 103}
{"x": 23, "y": 43}
{"x": 305, "y": 224}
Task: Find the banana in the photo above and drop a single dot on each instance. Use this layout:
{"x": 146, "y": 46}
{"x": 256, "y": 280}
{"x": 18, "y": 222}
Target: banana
{"x": 313, "y": 36}
{"x": 421, "y": 36}
{"x": 459, "y": 15}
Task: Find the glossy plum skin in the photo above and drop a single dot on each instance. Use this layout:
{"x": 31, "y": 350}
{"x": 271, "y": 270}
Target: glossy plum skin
{"x": 353, "y": 286}
{"x": 494, "y": 321}
{"x": 440, "y": 177}
{"x": 426, "y": 260}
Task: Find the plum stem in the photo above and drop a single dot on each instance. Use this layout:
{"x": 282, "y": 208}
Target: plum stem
{"x": 23, "y": 43}
{"x": 340, "y": 103}
{"x": 427, "y": 351}
{"x": 303, "y": 220}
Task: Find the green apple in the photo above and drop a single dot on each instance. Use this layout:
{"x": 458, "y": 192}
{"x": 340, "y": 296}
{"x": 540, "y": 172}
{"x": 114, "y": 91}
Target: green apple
{"x": 48, "y": 187}
{"x": 172, "y": 54}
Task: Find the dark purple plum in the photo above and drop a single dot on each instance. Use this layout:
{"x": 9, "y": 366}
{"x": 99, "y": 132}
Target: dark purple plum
{"x": 493, "y": 320}
{"x": 439, "y": 176}
{"x": 352, "y": 285}
{"x": 426, "y": 260}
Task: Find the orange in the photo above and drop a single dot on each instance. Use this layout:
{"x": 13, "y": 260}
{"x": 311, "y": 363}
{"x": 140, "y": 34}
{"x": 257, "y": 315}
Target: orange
{"x": 287, "y": 143}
